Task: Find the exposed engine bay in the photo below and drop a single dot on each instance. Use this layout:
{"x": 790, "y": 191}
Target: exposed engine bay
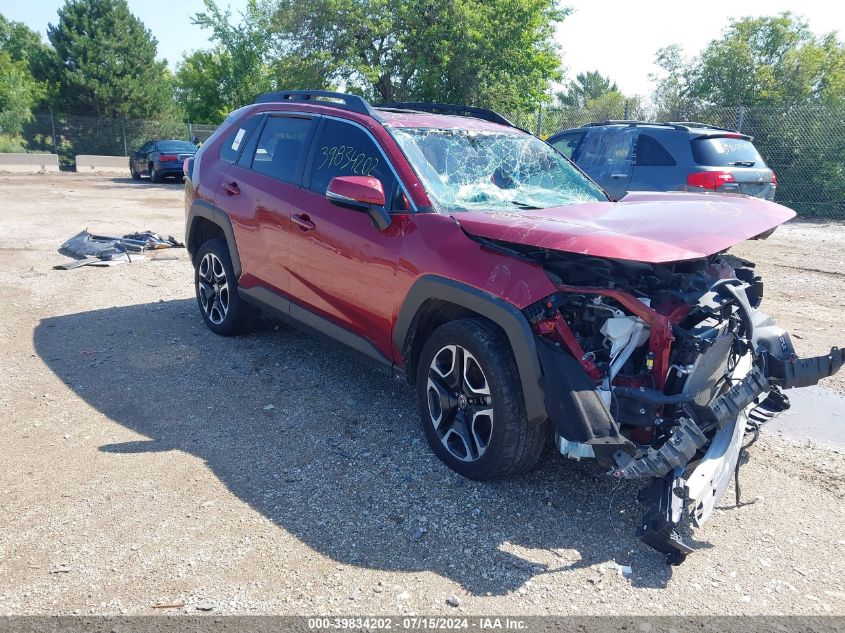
{"x": 660, "y": 371}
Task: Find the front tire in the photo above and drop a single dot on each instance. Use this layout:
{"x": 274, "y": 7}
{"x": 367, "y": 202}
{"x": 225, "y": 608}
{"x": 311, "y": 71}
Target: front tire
{"x": 222, "y": 309}
{"x": 471, "y": 402}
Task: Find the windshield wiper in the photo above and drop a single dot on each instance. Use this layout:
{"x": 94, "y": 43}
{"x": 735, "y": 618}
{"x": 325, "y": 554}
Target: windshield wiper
{"x": 524, "y": 205}
{"x": 742, "y": 163}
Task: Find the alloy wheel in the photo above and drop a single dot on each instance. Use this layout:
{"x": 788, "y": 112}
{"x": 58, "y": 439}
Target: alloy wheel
{"x": 213, "y": 288}
{"x": 460, "y": 405}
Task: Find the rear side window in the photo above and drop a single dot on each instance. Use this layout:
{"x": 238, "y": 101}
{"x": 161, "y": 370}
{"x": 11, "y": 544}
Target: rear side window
{"x": 282, "y": 148}
{"x": 651, "y": 153}
{"x": 567, "y": 143}
{"x": 237, "y": 138}
{"x": 726, "y": 152}
{"x": 343, "y": 149}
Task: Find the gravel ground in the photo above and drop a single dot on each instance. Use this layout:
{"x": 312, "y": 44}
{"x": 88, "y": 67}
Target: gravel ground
{"x": 148, "y": 463}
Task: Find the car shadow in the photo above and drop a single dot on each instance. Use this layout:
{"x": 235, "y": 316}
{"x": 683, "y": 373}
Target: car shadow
{"x": 330, "y": 450}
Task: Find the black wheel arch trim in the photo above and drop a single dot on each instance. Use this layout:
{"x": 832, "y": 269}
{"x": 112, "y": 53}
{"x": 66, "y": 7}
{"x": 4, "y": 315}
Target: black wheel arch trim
{"x": 204, "y": 209}
{"x": 506, "y": 316}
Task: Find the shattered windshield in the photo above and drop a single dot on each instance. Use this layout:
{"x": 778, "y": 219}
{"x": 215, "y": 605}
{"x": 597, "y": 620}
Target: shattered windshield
{"x": 465, "y": 170}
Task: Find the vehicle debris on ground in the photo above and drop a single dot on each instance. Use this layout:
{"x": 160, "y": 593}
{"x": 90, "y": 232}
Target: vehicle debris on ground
{"x": 88, "y": 249}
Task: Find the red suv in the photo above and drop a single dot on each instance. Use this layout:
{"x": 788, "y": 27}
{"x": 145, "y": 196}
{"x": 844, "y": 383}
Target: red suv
{"x": 448, "y": 246}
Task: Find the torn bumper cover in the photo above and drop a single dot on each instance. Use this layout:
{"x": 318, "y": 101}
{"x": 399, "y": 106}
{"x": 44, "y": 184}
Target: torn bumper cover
{"x": 698, "y": 491}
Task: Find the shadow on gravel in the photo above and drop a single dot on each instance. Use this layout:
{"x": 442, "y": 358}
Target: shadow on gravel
{"x": 330, "y": 450}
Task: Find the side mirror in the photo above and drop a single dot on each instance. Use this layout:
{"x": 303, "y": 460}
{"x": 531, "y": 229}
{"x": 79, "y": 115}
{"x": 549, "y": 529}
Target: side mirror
{"x": 360, "y": 193}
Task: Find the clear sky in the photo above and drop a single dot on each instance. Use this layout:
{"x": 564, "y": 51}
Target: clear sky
{"x": 617, "y": 38}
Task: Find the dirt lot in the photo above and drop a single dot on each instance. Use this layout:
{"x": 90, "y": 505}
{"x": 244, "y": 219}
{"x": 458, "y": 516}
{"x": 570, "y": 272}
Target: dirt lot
{"x": 148, "y": 462}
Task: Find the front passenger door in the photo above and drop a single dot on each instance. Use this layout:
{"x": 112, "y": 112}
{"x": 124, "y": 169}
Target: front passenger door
{"x": 343, "y": 268}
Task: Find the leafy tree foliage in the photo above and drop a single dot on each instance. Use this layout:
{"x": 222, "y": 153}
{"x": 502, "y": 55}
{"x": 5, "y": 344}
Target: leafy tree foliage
{"x": 211, "y": 83}
{"x": 765, "y": 61}
{"x": 22, "y": 54}
{"x": 586, "y": 87}
{"x": 498, "y": 54}
{"x": 105, "y": 62}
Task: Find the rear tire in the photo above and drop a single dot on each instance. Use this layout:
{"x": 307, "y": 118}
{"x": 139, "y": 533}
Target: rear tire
{"x": 471, "y": 403}
{"x": 222, "y": 309}
{"x": 135, "y": 175}
{"x": 154, "y": 175}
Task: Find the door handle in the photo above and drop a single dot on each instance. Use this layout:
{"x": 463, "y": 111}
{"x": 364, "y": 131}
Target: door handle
{"x": 303, "y": 222}
{"x": 231, "y": 188}
{"x": 617, "y": 176}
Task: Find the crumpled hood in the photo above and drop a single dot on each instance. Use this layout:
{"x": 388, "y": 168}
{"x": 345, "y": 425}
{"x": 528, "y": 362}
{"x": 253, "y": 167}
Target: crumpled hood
{"x": 643, "y": 226}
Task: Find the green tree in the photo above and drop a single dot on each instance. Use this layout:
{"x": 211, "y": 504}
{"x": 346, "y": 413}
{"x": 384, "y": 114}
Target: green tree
{"x": 765, "y": 61}
{"x": 105, "y": 62}
{"x": 22, "y": 56}
{"x": 586, "y": 87}
{"x": 211, "y": 83}
{"x": 499, "y": 54}
{"x": 18, "y": 93}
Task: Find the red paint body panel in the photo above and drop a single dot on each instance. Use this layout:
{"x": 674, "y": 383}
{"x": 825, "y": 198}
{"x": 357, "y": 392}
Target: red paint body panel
{"x": 646, "y": 227}
{"x": 333, "y": 262}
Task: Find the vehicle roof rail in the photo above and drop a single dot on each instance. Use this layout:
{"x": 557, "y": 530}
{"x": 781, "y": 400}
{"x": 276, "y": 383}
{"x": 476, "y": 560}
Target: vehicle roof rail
{"x": 353, "y": 103}
{"x": 705, "y": 127}
{"x": 633, "y": 123}
{"x": 448, "y": 108}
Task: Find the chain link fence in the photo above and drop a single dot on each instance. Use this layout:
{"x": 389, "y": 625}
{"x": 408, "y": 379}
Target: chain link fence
{"x": 805, "y": 145}
{"x": 70, "y": 135}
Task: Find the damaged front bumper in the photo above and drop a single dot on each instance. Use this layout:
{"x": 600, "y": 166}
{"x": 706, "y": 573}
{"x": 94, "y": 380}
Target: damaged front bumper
{"x": 701, "y": 438}
{"x": 678, "y": 490}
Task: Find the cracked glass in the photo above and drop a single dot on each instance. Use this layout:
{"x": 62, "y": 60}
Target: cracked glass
{"x": 464, "y": 170}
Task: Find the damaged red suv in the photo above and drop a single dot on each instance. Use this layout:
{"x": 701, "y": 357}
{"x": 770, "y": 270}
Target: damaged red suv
{"x": 450, "y": 247}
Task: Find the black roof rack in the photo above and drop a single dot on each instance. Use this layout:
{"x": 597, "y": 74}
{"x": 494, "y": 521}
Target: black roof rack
{"x": 632, "y": 123}
{"x": 353, "y": 103}
{"x": 688, "y": 126}
{"x": 448, "y": 108}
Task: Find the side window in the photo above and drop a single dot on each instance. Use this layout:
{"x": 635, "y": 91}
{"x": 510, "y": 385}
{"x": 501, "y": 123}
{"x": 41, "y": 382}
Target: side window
{"x": 236, "y": 138}
{"x": 650, "y": 153}
{"x": 282, "y": 147}
{"x": 343, "y": 149}
{"x": 567, "y": 143}
{"x": 607, "y": 149}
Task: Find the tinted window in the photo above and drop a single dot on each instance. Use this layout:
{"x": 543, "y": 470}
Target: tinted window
{"x": 724, "y": 152}
{"x": 342, "y": 149}
{"x": 236, "y": 138}
{"x": 606, "y": 148}
{"x": 567, "y": 143}
{"x": 282, "y": 147}
{"x": 650, "y": 153}
{"x": 176, "y": 146}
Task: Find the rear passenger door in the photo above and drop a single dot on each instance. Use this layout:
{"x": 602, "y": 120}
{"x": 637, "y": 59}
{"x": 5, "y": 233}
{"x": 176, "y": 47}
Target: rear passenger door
{"x": 257, "y": 192}
{"x": 654, "y": 167}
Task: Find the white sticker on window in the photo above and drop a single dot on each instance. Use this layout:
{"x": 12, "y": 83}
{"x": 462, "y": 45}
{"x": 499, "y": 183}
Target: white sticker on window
{"x": 238, "y": 138}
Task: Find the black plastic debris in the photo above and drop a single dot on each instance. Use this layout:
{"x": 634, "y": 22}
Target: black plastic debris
{"x": 88, "y": 249}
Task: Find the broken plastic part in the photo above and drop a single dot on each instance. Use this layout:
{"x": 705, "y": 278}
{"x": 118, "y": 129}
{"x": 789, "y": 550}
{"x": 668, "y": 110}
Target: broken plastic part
{"x": 675, "y": 452}
{"x": 662, "y": 514}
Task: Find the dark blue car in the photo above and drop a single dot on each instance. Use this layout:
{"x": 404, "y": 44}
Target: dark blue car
{"x": 161, "y": 159}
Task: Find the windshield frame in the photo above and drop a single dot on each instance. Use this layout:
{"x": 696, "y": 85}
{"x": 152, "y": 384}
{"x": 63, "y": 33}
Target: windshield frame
{"x": 517, "y": 207}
